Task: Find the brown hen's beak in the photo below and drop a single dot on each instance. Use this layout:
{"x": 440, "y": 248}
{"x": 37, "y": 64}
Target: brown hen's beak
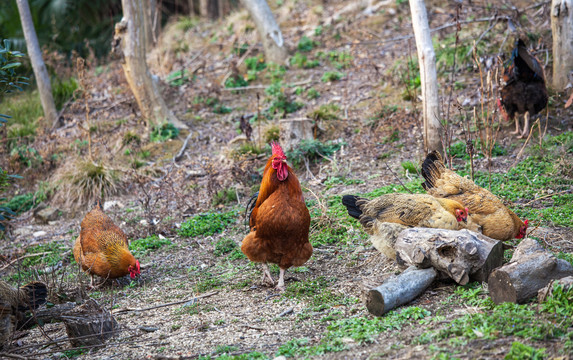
{"x": 465, "y": 220}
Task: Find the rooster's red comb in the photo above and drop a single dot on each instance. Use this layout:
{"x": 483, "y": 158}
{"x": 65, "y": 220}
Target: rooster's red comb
{"x": 277, "y": 150}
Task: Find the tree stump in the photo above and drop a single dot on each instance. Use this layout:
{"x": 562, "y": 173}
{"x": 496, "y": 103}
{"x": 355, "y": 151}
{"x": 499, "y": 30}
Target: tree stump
{"x": 530, "y": 269}
{"x": 461, "y": 255}
{"x": 89, "y": 324}
{"x": 399, "y": 290}
{"x": 384, "y": 237}
{"x": 292, "y": 131}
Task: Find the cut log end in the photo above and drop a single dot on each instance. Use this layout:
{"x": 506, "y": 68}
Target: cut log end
{"x": 500, "y": 284}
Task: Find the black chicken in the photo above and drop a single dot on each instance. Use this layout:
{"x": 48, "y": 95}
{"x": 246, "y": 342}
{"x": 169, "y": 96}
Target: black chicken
{"x": 523, "y": 87}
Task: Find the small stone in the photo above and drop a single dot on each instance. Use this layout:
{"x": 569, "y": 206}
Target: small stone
{"x": 282, "y": 357}
{"x": 39, "y": 233}
{"x": 45, "y": 215}
{"x": 143, "y": 222}
{"x": 148, "y": 328}
{"x": 109, "y": 204}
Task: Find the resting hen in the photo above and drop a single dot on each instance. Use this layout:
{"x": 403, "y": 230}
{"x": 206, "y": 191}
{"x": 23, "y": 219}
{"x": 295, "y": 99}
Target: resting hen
{"x": 523, "y": 88}
{"x": 495, "y": 219}
{"x": 102, "y": 248}
{"x": 406, "y": 209}
{"x": 14, "y": 303}
{"x": 279, "y": 222}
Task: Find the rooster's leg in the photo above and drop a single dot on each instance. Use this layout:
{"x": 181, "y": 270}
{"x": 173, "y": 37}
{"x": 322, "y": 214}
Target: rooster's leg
{"x": 281, "y": 284}
{"x": 525, "y": 132}
{"x": 516, "y": 125}
{"x": 267, "y": 278}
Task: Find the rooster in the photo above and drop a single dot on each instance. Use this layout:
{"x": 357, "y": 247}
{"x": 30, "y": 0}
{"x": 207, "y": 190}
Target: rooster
{"x": 523, "y": 88}
{"x": 406, "y": 209}
{"x": 102, "y": 248}
{"x": 14, "y": 303}
{"x": 279, "y": 221}
{"x": 495, "y": 219}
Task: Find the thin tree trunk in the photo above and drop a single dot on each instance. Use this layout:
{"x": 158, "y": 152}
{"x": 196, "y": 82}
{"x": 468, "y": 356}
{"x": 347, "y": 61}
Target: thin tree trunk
{"x": 268, "y": 29}
{"x": 428, "y": 76}
{"x": 131, "y": 33}
{"x": 40, "y": 71}
{"x": 562, "y": 29}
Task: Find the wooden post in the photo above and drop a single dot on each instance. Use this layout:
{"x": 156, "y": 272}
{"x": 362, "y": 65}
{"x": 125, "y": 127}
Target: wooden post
{"x": 399, "y": 290}
{"x": 268, "y": 29}
{"x": 40, "y": 71}
{"x": 562, "y": 30}
{"x": 461, "y": 255}
{"x": 530, "y": 269}
{"x": 428, "y": 76}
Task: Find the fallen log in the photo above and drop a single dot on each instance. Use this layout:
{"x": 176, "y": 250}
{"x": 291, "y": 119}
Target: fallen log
{"x": 530, "y": 269}
{"x": 47, "y": 315}
{"x": 566, "y": 283}
{"x": 461, "y": 255}
{"x": 89, "y": 324}
{"x": 384, "y": 237}
{"x": 399, "y": 290}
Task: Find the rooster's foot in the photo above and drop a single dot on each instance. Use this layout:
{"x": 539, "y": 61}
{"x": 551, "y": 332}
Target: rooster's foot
{"x": 267, "y": 278}
{"x": 281, "y": 284}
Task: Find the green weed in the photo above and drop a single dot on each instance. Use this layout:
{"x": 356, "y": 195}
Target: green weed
{"x": 142, "y": 247}
{"x": 312, "y": 150}
{"x": 330, "y": 76}
{"x": 163, "y": 132}
{"x": 207, "y": 224}
{"x": 301, "y": 61}
{"x": 325, "y": 112}
{"x": 306, "y": 44}
{"x": 225, "y": 196}
{"x": 521, "y": 351}
{"x": 312, "y": 93}
{"x": 224, "y": 246}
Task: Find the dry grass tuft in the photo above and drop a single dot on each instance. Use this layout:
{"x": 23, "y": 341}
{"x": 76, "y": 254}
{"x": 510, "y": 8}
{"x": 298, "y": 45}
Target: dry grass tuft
{"x": 82, "y": 181}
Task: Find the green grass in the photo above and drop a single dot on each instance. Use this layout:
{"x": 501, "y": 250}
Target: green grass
{"x": 301, "y": 61}
{"x": 142, "y": 247}
{"x": 330, "y": 76}
{"x": 325, "y": 112}
{"x": 25, "y": 109}
{"x": 163, "y": 132}
{"x": 521, "y": 351}
{"x": 207, "y": 224}
{"x": 312, "y": 150}
{"x": 225, "y": 246}
{"x": 360, "y": 329}
{"x": 533, "y": 323}
{"x": 306, "y": 44}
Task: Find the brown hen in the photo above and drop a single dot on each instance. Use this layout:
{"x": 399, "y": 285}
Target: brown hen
{"x": 496, "y": 220}
{"x": 102, "y": 248}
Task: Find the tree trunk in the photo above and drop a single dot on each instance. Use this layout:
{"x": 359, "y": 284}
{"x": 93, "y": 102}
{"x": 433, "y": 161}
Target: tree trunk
{"x": 562, "y": 29}
{"x": 292, "y": 131}
{"x": 131, "y": 34}
{"x": 399, "y": 290}
{"x": 428, "y": 76}
{"x": 461, "y": 255}
{"x": 40, "y": 71}
{"x": 531, "y": 268}
{"x": 268, "y": 29}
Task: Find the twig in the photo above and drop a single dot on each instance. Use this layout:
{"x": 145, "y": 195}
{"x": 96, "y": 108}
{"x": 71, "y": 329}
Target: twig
{"x": 526, "y": 142}
{"x": 286, "y": 312}
{"x": 179, "y": 155}
{"x": 119, "y": 311}
{"x": 445, "y": 26}
{"x": 481, "y": 37}
{"x": 12, "y": 356}
{"x": 23, "y": 257}
{"x": 546, "y": 196}
{"x": 397, "y": 178}
{"x": 253, "y": 87}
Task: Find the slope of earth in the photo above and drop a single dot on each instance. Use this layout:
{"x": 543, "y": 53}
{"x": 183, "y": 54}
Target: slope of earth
{"x": 353, "y": 71}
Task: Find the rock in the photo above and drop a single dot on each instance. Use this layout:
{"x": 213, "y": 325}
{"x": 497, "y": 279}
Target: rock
{"x": 23, "y": 231}
{"x": 148, "y": 328}
{"x": 39, "y": 233}
{"x": 109, "y": 204}
{"x": 46, "y": 215}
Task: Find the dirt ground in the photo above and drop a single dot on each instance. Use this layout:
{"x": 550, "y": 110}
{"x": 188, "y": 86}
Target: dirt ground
{"x": 219, "y": 305}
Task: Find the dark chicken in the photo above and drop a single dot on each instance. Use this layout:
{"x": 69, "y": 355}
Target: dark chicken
{"x": 523, "y": 88}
